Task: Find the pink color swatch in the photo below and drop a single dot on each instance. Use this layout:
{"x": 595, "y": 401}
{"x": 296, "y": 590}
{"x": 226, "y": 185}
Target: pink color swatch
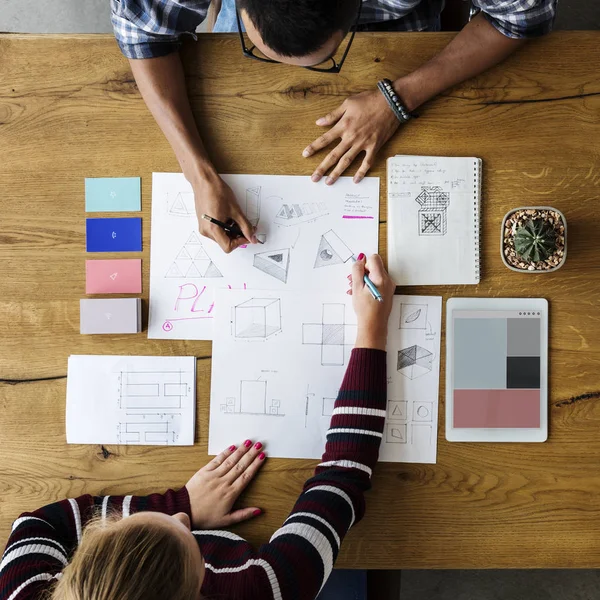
{"x": 113, "y": 276}
{"x": 497, "y": 408}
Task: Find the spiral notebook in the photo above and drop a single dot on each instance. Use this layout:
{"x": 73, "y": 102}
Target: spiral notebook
{"x": 433, "y": 219}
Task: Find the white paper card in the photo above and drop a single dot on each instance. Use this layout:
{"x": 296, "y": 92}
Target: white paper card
{"x": 311, "y": 232}
{"x": 279, "y": 359}
{"x": 143, "y": 400}
{"x": 433, "y": 220}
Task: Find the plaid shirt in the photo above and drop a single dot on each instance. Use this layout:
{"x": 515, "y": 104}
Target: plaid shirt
{"x": 151, "y": 28}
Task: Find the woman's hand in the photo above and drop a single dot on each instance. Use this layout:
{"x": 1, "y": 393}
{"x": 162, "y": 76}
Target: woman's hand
{"x": 214, "y": 488}
{"x": 372, "y": 315}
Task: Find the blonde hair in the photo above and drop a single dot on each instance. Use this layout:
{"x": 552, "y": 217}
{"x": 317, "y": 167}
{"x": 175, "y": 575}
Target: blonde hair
{"x": 129, "y": 561}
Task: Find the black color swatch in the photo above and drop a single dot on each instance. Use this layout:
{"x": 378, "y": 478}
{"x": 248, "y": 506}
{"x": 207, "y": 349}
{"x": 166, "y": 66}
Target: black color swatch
{"x": 523, "y": 372}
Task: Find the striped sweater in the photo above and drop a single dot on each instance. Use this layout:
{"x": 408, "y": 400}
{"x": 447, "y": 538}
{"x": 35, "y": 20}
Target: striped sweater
{"x": 299, "y": 557}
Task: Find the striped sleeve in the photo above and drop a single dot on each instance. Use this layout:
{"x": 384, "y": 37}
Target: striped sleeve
{"x": 300, "y": 556}
{"x": 42, "y": 542}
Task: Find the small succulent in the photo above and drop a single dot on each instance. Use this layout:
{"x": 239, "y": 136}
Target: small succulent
{"x": 535, "y": 240}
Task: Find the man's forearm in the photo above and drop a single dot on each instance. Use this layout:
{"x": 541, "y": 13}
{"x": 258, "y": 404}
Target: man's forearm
{"x": 476, "y": 48}
{"x": 161, "y": 82}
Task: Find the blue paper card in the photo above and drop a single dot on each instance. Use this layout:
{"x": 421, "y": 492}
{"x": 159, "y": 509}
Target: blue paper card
{"x": 113, "y": 194}
{"x": 113, "y": 235}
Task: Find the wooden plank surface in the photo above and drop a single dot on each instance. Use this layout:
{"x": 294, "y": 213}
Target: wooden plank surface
{"x": 69, "y": 108}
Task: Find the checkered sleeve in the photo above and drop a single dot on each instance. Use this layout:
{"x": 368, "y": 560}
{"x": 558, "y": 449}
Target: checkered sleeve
{"x": 153, "y": 28}
{"x": 519, "y": 18}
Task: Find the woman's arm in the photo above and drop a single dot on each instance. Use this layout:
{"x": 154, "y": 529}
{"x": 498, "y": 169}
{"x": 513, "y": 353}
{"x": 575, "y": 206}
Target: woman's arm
{"x": 41, "y": 542}
{"x": 300, "y": 555}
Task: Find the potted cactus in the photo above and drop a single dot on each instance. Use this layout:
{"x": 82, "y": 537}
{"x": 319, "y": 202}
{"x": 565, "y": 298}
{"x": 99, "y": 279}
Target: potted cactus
{"x": 534, "y": 239}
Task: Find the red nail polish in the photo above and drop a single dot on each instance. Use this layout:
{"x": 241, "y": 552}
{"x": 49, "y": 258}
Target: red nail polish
{"x": 261, "y": 456}
{"x": 231, "y": 448}
{"x": 361, "y": 256}
{"x": 257, "y": 512}
{"x": 257, "y": 446}
{"x": 248, "y": 443}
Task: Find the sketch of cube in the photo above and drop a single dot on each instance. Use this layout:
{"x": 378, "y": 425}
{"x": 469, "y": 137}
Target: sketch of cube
{"x": 433, "y": 214}
{"x": 258, "y": 318}
{"x": 414, "y": 361}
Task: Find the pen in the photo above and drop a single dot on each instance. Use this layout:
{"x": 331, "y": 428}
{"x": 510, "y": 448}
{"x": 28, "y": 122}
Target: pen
{"x": 372, "y": 287}
{"x": 232, "y": 229}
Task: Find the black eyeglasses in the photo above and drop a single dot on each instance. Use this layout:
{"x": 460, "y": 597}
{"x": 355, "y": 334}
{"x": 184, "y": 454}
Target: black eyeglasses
{"x": 335, "y": 66}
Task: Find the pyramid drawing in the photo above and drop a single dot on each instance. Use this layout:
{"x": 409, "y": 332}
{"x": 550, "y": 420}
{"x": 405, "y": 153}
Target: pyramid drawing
{"x": 275, "y": 263}
{"x": 332, "y": 251}
{"x": 414, "y": 362}
{"x": 183, "y": 205}
{"x": 192, "y": 262}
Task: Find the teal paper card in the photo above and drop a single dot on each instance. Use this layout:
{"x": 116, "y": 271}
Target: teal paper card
{"x": 113, "y": 194}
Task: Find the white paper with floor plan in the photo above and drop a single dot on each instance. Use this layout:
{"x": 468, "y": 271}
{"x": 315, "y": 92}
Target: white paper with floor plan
{"x": 142, "y": 400}
{"x": 311, "y": 232}
{"x": 279, "y": 359}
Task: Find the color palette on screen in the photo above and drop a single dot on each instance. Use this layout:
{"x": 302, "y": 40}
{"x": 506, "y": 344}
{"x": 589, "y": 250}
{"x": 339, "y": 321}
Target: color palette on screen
{"x": 497, "y": 369}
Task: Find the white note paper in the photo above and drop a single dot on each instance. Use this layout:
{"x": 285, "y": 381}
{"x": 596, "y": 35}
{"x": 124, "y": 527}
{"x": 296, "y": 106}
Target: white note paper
{"x": 279, "y": 359}
{"x": 311, "y": 232}
{"x": 143, "y": 400}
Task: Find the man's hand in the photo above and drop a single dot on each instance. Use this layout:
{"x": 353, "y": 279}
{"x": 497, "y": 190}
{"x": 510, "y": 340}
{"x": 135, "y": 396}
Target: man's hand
{"x": 363, "y": 123}
{"x": 216, "y": 199}
{"x": 214, "y": 488}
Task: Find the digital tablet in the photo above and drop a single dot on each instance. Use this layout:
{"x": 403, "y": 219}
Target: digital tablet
{"x": 497, "y": 370}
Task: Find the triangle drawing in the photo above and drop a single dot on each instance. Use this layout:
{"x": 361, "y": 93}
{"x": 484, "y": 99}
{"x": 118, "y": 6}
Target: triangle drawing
{"x": 183, "y": 253}
{"x": 275, "y": 263}
{"x": 194, "y": 239}
{"x": 193, "y": 271}
{"x": 201, "y": 255}
{"x": 326, "y": 255}
{"x": 174, "y": 271}
{"x": 212, "y": 271}
{"x": 178, "y": 207}
{"x": 397, "y": 411}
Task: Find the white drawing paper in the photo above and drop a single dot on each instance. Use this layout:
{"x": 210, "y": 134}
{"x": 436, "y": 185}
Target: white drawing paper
{"x": 279, "y": 358}
{"x": 413, "y": 370}
{"x": 433, "y": 220}
{"x": 143, "y": 400}
{"x": 311, "y": 232}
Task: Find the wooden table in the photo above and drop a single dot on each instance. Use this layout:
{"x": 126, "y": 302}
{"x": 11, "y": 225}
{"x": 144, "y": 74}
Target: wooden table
{"x": 69, "y": 108}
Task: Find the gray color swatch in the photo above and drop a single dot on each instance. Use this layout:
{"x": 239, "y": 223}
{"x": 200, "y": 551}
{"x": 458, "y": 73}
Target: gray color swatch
{"x": 112, "y": 315}
{"x": 480, "y": 354}
{"x": 523, "y": 337}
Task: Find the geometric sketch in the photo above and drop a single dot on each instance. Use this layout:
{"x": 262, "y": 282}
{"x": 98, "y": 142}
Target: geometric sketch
{"x": 413, "y": 316}
{"x": 332, "y": 334}
{"x": 327, "y": 410}
{"x": 148, "y": 428}
{"x": 252, "y": 401}
{"x": 414, "y": 361}
{"x": 422, "y": 411}
{"x": 294, "y": 214}
{"x": 433, "y": 214}
{"x": 257, "y": 318}
{"x": 421, "y": 434}
{"x": 156, "y": 390}
{"x": 192, "y": 261}
{"x": 183, "y": 205}
{"x": 395, "y": 433}
{"x": 275, "y": 263}
{"x": 332, "y": 251}
{"x": 397, "y": 410}
{"x": 253, "y": 205}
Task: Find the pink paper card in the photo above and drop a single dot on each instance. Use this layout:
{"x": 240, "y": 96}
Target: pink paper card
{"x": 113, "y": 276}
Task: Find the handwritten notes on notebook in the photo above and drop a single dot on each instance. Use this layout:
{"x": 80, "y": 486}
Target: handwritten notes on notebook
{"x": 144, "y": 400}
{"x": 311, "y": 232}
{"x": 280, "y": 358}
{"x": 433, "y": 220}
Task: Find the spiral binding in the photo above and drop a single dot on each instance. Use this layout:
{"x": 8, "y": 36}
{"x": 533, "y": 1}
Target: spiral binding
{"x": 477, "y": 217}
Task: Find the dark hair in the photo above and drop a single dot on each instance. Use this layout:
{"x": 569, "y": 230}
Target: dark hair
{"x": 299, "y": 27}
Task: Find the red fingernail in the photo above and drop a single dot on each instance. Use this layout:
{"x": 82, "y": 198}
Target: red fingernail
{"x": 261, "y": 456}
{"x": 248, "y": 443}
{"x": 231, "y": 448}
{"x": 258, "y": 446}
{"x": 257, "y": 512}
{"x": 361, "y": 256}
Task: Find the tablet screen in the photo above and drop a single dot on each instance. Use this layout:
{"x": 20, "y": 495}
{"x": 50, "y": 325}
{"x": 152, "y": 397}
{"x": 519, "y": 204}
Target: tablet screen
{"x": 497, "y": 377}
